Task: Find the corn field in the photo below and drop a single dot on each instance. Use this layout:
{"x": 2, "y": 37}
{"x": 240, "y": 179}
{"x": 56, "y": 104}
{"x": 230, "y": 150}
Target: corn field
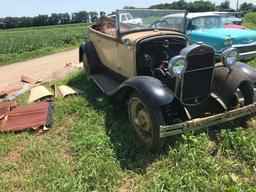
{"x": 29, "y": 41}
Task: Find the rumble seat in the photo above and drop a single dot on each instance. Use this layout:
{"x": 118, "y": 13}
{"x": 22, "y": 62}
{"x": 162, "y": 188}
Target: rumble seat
{"x": 107, "y": 26}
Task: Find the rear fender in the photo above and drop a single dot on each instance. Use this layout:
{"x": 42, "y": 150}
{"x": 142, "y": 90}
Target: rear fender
{"x": 81, "y": 52}
{"x": 94, "y": 63}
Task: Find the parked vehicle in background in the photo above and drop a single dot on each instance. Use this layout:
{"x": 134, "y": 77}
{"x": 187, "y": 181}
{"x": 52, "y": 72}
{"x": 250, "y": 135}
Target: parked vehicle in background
{"x": 169, "y": 87}
{"x": 209, "y": 28}
{"x": 233, "y": 26}
{"x": 229, "y": 17}
{"x": 127, "y": 18}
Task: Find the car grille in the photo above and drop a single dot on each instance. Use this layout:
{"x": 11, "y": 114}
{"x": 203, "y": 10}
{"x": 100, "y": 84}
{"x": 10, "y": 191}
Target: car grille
{"x": 197, "y": 80}
{"x": 246, "y": 49}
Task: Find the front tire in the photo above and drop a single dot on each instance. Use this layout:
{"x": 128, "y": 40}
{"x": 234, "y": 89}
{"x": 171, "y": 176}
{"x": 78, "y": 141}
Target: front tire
{"x": 146, "y": 121}
{"x": 245, "y": 96}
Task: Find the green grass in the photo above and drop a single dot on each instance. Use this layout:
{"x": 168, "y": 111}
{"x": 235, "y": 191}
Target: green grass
{"x": 27, "y": 43}
{"x": 93, "y": 148}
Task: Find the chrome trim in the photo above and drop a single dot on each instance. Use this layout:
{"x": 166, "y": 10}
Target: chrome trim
{"x": 247, "y": 53}
{"x": 243, "y": 45}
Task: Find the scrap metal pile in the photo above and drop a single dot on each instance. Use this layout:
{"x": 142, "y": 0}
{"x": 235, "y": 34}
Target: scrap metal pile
{"x": 38, "y": 114}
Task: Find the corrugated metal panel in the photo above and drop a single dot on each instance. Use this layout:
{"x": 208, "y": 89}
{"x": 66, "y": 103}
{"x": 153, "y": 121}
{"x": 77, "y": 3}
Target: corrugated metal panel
{"x": 5, "y": 108}
{"x": 27, "y": 116}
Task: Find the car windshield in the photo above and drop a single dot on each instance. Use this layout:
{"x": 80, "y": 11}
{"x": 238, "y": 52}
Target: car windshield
{"x": 207, "y": 22}
{"x": 139, "y": 19}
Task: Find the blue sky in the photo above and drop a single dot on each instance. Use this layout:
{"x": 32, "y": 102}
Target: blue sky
{"x": 35, "y": 7}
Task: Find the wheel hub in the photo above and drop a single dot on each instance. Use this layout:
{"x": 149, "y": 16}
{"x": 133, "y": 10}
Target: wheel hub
{"x": 142, "y": 120}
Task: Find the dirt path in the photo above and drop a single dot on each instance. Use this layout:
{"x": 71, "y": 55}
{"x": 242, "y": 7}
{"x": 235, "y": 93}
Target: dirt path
{"x": 47, "y": 68}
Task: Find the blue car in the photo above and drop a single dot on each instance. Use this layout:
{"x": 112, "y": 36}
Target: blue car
{"x": 209, "y": 29}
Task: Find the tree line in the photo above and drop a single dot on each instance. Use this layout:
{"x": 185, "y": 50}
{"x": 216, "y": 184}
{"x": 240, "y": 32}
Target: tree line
{"x": 202, "y": 6}
{"x": 53, "y": 19}
{"x": 85, "y": 17}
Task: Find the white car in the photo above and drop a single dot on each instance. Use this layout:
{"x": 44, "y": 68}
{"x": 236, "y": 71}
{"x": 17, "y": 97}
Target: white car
{"x": 127, "y": 18}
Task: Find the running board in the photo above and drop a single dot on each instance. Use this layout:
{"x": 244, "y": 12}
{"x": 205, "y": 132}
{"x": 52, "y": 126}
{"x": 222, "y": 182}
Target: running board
{"x": 107, "y": 82}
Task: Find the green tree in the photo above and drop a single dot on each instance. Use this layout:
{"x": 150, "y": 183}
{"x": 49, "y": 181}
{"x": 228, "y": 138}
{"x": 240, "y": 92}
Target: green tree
{"x": 102, "y": 13}
{"x": 224, "y": 5}
{"x": 1, "y": 23}
{"x": 54, "y": 19}
{"x": 41, "y": 20}
{"x": 64, "y": 18}
{"x": 245, "y": 7}
{"x": 11, "y": 22}
{"x": 25, "y": 22}
{"x": 195, "y": 6}
{"x": 80, "y": 17}
{"x": 129, "y": 7}
{"x": 200, "y": 6}
{"x": 93, "y": 16}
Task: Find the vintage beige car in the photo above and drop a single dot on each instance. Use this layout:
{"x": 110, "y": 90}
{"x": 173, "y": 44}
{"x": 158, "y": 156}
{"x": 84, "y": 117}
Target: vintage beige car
{"x": 169, "y": 87}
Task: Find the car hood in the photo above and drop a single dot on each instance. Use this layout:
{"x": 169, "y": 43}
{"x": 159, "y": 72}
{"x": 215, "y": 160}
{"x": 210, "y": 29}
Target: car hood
{"x": 240, "y": 36}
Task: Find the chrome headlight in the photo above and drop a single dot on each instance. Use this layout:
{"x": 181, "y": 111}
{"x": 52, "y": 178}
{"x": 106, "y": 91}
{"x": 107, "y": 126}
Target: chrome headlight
{"x": 230, "y": 56}
{"x": 228, "y": 41}
{"x": 177, "y": 65}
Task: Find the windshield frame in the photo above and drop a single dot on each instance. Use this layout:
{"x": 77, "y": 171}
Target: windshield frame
{"x": 119, "y": 32}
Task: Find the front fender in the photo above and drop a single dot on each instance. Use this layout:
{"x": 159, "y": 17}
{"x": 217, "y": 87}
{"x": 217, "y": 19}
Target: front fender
{"x": 153, "y": 91}
{"x": 247, "y": 70}
{"x": 226, "y": 82}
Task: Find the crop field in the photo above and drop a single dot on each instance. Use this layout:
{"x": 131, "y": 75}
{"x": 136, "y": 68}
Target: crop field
{"x": 26, "y": 43}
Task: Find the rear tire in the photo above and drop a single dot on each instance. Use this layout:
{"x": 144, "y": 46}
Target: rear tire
{"x": 86, "y": 67}
{"x": 146, "y": 121}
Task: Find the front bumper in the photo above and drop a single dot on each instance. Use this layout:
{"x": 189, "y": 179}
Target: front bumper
{"x": 205, "y": 122}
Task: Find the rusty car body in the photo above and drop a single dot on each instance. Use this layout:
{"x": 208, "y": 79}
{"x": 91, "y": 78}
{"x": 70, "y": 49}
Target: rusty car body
{"x": 169, "y": 87}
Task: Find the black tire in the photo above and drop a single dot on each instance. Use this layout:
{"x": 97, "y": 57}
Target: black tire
{"x": 245, "y": 94}
{"x": 94, "y": 64}
{"x": 149, "y": 132}
{"x": 86, "y": 67}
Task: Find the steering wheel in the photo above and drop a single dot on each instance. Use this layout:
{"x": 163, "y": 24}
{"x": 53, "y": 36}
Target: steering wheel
{"x": 155, "y": 23}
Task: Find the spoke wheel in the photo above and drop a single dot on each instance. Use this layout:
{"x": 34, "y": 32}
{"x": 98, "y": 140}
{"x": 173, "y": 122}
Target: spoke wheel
{"x": 141, "y": 120}
{"x": 240, "y": 98}
{"x": 146, "y": 121}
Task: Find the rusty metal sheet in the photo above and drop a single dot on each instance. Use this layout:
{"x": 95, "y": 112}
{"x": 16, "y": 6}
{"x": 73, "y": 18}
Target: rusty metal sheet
{"x": 10, "y": 90}
{"x": 13, "y": 95}
{"x": 30, "y": 79}
{"x": 5, "y": 107}
{"x": 27, "y": 116}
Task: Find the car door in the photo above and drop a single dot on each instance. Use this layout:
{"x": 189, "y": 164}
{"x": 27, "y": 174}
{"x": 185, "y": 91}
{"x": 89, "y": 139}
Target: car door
{"x": 106, "y": 47}
{"x": 192, "y": 28}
